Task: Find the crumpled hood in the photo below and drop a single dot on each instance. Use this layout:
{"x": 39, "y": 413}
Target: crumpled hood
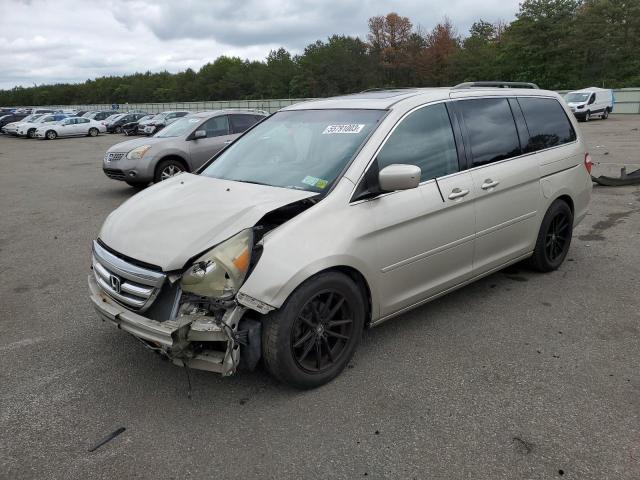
{"x": 129, "y": 145}
{"x": 172, "y": 221}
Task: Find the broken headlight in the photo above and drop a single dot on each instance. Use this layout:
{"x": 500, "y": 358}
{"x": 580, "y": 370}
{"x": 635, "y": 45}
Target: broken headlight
{"x": 219, "y": 273}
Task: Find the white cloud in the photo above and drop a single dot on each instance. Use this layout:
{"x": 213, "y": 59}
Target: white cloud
{"x": 72, "y": 40}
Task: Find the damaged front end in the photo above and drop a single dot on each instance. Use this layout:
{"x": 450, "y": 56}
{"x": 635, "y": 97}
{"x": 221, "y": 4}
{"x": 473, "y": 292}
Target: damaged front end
{"x": 193, "y": 330}
{"x": 196, "y": 317}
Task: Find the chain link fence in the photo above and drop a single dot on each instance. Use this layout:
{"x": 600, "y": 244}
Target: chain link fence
{"x": 627, "y": 100}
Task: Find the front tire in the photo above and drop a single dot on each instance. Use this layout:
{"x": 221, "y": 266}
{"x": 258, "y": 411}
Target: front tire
{"x": 554, "y": 238}
{"x": 93, "y": 132}
{"x": 50, "y": 135}
{"x": 605, "y": 114}
{"x": 313, "y": 336}
{"x": 117, "y": 130}
{"x": 31, "y": 133}
{"x": 167, "y": 169}
{"x": 587, "y": 116}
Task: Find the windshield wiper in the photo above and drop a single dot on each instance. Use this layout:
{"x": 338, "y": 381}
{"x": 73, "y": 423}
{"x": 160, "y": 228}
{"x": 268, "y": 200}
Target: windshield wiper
{"x": 251, "y": 181}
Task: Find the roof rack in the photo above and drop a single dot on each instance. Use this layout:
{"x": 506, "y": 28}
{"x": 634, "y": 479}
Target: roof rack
{"x": 497, "y": 84}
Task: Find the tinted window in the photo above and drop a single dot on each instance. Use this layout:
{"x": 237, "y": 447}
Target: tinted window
{"x": 216, "y": 126}
{"x": 82, "y": 120}
{"x": 491, "y": 129}
{"x": 547, "y": 123}
{"x": 425, "y": 139}
{"x": 240, "y": 123}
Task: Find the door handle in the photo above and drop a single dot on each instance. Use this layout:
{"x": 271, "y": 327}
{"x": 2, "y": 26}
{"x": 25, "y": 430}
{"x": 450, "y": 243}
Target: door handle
{"x": 488, "y": 183}
{"x": 457, "y": 193}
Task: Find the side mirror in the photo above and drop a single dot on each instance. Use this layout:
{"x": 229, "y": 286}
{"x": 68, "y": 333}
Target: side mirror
{"x": 399, "y": 177}
{"x": 199, "y": 134}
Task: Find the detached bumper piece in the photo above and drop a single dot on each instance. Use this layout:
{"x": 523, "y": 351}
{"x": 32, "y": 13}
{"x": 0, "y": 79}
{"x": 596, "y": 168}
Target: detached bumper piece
{"x": 198, "y": 341}
{"x": 632, "y": 178}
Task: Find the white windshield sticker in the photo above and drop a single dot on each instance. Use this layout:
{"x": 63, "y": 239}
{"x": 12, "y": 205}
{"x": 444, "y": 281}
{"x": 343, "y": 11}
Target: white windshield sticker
{"x": 346, "y": 128}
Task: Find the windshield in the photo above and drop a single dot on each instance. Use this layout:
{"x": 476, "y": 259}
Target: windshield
{"x": 577, "y": 97}
{"x": 300, "y": 149}
{"x": 31, "y": 118}
{"x": 145, "y": 118}
{"x": 179, "y": 127}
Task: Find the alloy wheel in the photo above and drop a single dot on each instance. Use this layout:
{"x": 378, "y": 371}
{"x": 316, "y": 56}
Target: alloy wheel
{"x": 322, "y": 331}
{"x": 557, "y": 237}
{"x": 169, "y": 171}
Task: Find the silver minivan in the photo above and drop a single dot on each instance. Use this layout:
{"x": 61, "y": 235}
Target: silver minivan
{"x": 335, "y": 215}
{"x": 184, "y": 145}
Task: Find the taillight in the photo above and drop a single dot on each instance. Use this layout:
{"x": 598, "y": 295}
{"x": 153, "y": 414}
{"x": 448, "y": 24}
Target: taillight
{"x": 588, "y": 164}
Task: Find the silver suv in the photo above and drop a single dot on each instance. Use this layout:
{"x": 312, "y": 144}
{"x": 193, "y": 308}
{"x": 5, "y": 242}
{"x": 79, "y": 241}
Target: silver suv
{"x": 184, "y": 145}
{"x": 339, "y": 214}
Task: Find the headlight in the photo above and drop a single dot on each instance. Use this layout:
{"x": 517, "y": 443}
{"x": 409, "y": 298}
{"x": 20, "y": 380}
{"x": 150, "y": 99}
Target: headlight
{"x": 138, "y": 152}
{"x": 219, "y": 273}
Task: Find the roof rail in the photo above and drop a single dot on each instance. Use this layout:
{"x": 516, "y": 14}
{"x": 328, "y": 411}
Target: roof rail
{"x": 497, "y": 84}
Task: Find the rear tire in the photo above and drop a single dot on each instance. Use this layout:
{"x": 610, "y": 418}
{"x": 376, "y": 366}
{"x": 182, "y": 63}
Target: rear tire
{"x": 554, "y": 238}
{"x": 605, "y": 114}
{"x": 313, "y": 336}
{"x": 167, "y": 169}
{"x": 93, "y": 132}
{"x": 50, "y": 135}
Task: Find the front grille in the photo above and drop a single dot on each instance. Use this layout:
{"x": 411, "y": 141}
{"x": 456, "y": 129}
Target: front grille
{"x": 114, "y": 173}
{"x": 130, "y": 285}
{"x": 113, "y": 156}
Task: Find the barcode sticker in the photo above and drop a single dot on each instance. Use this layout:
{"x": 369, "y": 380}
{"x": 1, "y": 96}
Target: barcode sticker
{"x": 346, "y": 128}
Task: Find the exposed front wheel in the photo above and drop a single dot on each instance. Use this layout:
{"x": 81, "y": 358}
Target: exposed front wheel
{"x": 312, "y": 337}
{"x": 587, "y": 116}
{"x": 554, "y": 238}
{"x": 93, "y": 132}
{"x": 31, "y": 133}
{"x": 167, "y": 169}
{"x": 51, "y": 135}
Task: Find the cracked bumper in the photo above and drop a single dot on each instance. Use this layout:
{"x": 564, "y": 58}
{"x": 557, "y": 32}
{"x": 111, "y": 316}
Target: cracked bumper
{"x": 176, "y": 338}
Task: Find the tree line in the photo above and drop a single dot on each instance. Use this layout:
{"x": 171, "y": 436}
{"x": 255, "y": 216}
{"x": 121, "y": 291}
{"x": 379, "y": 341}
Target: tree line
{"x": 558, "y": 44}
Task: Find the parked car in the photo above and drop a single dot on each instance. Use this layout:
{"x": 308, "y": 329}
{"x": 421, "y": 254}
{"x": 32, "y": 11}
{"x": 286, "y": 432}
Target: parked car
{"x": 182, "y": 146}
{"x": 131, "y": 128}
{"x": 338, "y": 214}
{"x": 12, "y": 127}
{"x": 142, "y": 124}
{"x": 161, "y": 120}
{"x": 590, "y": 102}
{"x": 28, "y": 129}
{"x": 11, "y": 117}
{"x": 116, "y": 124}
{"x": 42, "y": 110}
{"x": 70, "y": 127}
{"x": 99, "y": 115}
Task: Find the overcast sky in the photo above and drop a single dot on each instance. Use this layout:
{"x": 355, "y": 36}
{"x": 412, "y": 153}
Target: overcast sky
{"x": 49, "y": 41}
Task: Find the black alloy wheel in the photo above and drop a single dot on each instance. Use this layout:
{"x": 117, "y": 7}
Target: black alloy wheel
{"x": 322, "y": 331}
{"x": 554, "y": 237}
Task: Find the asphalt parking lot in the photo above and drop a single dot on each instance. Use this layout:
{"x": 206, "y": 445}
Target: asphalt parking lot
{"x": 520, "y": 375}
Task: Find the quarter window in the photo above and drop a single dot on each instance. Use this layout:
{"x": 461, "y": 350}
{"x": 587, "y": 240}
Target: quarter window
{"x": 547, "y": 123}
{"x": 491, "y": 129}
{"x": 425, "y": 139}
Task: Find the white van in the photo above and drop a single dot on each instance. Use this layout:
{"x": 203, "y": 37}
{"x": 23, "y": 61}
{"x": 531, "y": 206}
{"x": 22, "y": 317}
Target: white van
{"x": 590, "y": 102}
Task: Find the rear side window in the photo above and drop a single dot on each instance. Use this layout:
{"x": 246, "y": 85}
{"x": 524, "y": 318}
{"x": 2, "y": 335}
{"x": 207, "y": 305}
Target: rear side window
{"x": 240, "y": 123}
{"x": 547, "y": 123}
{"x": 425, "y": 139}
{"x": 491, "y": 129}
